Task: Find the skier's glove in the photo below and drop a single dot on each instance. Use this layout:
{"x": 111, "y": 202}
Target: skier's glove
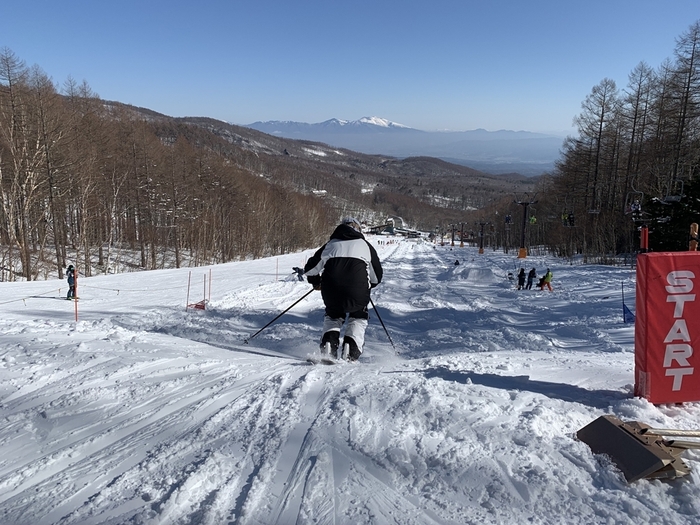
{"x": 315, "y": 281}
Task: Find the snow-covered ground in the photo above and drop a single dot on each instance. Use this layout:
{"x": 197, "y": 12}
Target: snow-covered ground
{"x": 145, "y": 412}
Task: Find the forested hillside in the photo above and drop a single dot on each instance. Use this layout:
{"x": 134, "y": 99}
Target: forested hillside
{"x": 639, "y": 143}
{"x": 82, "y": 179}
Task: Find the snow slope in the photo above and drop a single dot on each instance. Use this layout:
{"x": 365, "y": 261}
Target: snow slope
{"x": 145, "y": 412}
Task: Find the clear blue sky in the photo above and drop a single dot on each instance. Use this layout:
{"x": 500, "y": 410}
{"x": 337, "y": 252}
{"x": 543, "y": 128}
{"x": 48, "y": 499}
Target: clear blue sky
{"x": 439, "y": 64}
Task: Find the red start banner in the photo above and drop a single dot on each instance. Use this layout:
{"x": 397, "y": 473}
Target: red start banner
{"x": 667, "y": 327}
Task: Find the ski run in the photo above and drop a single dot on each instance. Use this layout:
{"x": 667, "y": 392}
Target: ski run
{"x": 144, "y": 411}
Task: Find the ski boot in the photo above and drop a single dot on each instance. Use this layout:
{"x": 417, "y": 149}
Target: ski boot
{"x": 351, "y": 352}
{"x": 330, "y": 343}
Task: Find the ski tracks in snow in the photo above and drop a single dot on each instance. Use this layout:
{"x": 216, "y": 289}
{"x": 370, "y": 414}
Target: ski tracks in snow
{"x": 150, "y": 437}
{"x": 166, "y": 420}
{"x": 157, "y": 439}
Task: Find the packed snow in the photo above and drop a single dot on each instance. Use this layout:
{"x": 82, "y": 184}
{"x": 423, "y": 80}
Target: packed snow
{"x": 144, "y": 411}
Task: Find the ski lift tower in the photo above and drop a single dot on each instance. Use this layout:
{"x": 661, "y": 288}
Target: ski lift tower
{"x": 522, "y": 254}
{"x": 481, "y": 235}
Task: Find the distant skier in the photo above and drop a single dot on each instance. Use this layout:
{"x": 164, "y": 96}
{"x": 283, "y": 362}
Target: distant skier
{"x": 299, "y": 273}
{"x": 345, "y": 269}
{"x": 532, "y": 274}
{"x": 521, "y": 279}
{"x": 636, "y": 210}
{"x": 546, "y": 280}
{"x": 70, "y": 274}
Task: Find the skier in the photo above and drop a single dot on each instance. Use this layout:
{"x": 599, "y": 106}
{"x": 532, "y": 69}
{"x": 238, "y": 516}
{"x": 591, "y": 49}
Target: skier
{"x": 547, "y": 280}
{"x": 636, "y": 210}
{"x": 345, "y": 269}
{"x": 532, "y": 274}
{"x": 70, "y": 274}
{"x": 521, "y": 279}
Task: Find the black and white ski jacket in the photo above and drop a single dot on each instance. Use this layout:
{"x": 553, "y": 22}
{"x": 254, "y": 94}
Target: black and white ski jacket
{"x": 347, "y": 267}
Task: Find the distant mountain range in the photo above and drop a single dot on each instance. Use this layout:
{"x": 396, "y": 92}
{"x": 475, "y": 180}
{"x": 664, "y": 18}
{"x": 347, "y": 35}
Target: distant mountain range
{"x": 497, "y": 152}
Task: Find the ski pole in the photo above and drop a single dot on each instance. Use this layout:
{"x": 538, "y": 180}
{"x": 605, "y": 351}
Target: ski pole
{"x": 382, "y": 323}
{"x": 280, "y": 315}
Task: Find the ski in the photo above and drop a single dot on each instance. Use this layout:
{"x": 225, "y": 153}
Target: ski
{"x": 321, "y": 360}
{"x": 327, "y": 360}
{"x": 325, "y": 357}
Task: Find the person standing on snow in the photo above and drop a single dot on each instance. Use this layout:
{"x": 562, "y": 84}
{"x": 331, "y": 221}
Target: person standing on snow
{"x": 521, "y": 279}
{"x": 530, "y": 278}
{"x": 547, "y": 280}
{"x": 70, "y": 274}
{"x": 345, "y": 269}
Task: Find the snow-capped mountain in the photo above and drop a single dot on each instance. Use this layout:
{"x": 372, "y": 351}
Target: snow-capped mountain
{"x": 377, "y": 121}
{"x": 286, "y": 128}
{"x": 490, "y": 151}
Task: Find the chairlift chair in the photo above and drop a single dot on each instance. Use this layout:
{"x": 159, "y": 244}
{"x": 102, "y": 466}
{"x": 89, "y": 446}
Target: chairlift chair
{"x": 568, "y": 219}
{"x": 508, "y": 221}
{"x": 633, "y": 201}
{"x": 674, "y": 191}
{"x": 567, "y": 213}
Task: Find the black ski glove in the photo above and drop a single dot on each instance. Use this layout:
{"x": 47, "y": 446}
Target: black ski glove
{"x": 315, "y": 281}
